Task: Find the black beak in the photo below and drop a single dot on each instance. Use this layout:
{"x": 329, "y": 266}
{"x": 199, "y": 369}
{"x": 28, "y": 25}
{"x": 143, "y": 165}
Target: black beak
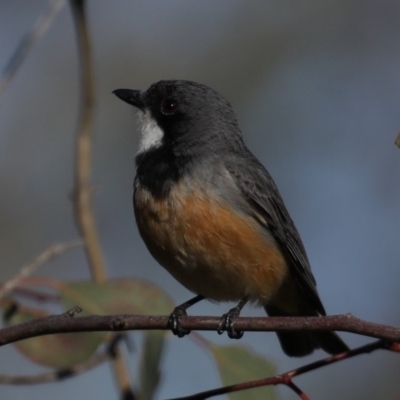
{"x": 133, "y": 97}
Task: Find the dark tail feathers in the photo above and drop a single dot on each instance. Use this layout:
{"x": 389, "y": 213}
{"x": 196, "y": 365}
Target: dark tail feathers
{"x": 298, "y": 344}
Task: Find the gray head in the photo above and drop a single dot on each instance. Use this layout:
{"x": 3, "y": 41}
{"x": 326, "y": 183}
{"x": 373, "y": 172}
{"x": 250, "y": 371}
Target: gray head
{"x": 187, "y": 117}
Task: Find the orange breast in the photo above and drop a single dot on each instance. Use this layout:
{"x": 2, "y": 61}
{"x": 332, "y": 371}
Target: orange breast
{"x": 210, "y": 248}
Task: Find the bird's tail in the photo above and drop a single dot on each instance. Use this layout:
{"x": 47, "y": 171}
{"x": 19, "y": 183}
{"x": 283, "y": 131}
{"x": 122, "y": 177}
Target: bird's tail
{"x": 298, "y": 344}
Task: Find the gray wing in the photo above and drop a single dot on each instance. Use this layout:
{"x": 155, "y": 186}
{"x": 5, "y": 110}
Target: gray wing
{"x": 268, "y": 208}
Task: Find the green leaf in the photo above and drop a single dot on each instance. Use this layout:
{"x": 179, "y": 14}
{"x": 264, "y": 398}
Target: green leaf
{"x": 127, "y": 296}
{"x": 120, "y": 296}
{"x": 149, "y": 371}
{"x": 397, "y": 141}
{"x": 57, "y": 351}
{"x": 117, "y": 296}
{"x": 237, "y": 364}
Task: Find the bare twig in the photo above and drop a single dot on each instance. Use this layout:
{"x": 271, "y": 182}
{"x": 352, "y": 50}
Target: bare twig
{"x": 286, "y": 378}
{"x": 82, "y": 191}
{"x": 27, "y": 43}
{"x": 60, "y": 324}
{"x": 297, "y": 390}
{"x": 46, "y": 256}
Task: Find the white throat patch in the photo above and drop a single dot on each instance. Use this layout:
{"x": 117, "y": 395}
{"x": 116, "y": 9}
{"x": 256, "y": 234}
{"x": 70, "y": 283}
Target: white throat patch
{"x": 151, "y": 134}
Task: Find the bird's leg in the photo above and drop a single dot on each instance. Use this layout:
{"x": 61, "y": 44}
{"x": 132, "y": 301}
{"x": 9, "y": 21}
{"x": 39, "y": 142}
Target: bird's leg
{"x": 179, "y": 311}
{"x": 227, "y": 320}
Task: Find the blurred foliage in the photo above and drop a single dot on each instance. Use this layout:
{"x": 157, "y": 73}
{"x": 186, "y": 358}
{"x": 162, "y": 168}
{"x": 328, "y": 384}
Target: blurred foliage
{"x": 55, "y": 351}
{"x": 128, "y": 296}
{"x": 238, "y": 364}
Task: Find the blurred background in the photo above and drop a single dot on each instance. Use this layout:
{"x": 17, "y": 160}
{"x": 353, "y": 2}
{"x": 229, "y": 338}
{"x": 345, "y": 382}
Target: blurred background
{"x": 316, "y": 87}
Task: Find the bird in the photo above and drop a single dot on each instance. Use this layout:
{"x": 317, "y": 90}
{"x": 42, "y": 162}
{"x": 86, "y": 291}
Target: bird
{"x": 210, "y": 213}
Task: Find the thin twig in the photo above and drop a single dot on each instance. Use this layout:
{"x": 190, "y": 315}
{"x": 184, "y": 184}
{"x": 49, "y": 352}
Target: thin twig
{"x": 286, "y": 378}
{"x": 117, "y": 323}
{"x": 82, "y": 191}
{"x": 297, "y": 390}
{"x": 28, "y": 41}
{"x": 49, "y": 254}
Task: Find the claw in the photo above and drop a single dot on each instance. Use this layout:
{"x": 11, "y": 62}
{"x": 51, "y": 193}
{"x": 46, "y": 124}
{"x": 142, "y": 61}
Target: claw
{"x": 175, "y": 322}
{"x": 227, "y": 322}
{"x": 228, "y": 319}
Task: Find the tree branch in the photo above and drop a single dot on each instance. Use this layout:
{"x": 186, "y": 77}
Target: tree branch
{"x": 68, "y": 322}
{"x": 82, "y": 191}
{"x": 61, "y": 324}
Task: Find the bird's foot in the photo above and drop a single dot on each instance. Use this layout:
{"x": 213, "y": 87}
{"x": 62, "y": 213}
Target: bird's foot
{"x": 227, "y": 322}
{"x": 174, "y": 322}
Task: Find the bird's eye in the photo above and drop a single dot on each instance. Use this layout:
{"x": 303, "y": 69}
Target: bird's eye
{"x": 169, "y": 107}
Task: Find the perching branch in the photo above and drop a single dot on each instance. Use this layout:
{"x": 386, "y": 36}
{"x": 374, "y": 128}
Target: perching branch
{"x": 68, "y": 322}
{"x": 61, "y": 324}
